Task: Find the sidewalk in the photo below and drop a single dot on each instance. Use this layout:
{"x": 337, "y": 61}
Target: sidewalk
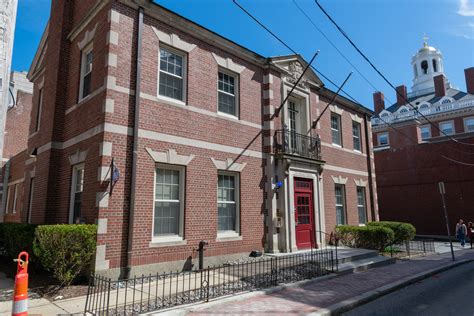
{"x": 328, "y": 295}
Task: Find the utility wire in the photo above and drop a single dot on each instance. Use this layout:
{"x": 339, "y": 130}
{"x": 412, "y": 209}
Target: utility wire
{"x": 384, "y": 77}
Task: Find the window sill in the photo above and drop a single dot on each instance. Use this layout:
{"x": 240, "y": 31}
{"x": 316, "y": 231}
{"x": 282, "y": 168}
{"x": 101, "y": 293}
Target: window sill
{"x": 170, "y": 101}
{"x": 336, "y": 145}
{"x": 230, "y": 236}
{"x": 228, "y": 116}
{"x": 357, "y": 151}
{"x": 167, "y": 241}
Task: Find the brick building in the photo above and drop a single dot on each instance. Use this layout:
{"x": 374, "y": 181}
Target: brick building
{"x": 165, "y": 134}
{"x": 412, "y": 155}
{"x": 15, "y": 139}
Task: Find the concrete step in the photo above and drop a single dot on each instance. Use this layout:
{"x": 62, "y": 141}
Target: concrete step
{"x": 350, "y": 254}
{"x": 364, "y": 264}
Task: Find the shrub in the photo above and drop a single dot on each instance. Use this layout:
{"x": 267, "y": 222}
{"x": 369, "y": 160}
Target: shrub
{"x": 65, "y": 250}
{"x": 368, "y": 237}
{"x": 402, "y": 231}
{"x": 15, "y": 238}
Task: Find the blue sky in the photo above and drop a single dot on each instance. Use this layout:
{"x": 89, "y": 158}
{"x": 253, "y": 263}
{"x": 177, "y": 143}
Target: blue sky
{"x": 389, "y": 31}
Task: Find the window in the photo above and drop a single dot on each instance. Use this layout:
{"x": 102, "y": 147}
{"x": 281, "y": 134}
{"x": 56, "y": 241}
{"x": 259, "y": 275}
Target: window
{"x": 172, "y": 70}
{"x": 424, "y": 106}
{"x": 435, "y": 65}
{"x": 38, "y": 109}
{"x": 227, "y": 203}
{"x": 361, "y": 205}
{"x": 469, "y": 124}
{"x": 30, "y": 199}
{"x": 356, "y": 136}
{"x": 425, "y": 132}
{"x": 424, "y": 66}
{"x": 86, "y": 73}
{"x": 15, "y": 197}
{"x": 9, "y": 193}
{"x": 446, "y": 101}
{"x": 77, "y": 187}
{"x": 403, "y": 111}
{"x": 169, "y": 201}
{"x": 340, "y": 205}
{"x": 383, "y": 139}
{"x": 336, "y": 129}
{"x": 447, "y": 128}
{"x": 227, "y": 93}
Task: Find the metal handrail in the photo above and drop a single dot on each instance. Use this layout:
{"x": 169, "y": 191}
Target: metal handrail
{"x": 293, "y": 143}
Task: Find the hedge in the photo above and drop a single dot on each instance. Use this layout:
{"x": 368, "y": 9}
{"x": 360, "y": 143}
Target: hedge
{"x": 15, "y": 238}
{"x": 65, "y": 250}
{"x": 368, "y": 237}
{"x": 402, "y": 231}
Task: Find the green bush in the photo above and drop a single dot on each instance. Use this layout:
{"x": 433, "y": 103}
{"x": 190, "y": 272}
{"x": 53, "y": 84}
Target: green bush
{"x": 402, "y": 231}
{"x": 65, "y": 250}
{"x": 15, "y": 238}
{"x": 368, "y": 237}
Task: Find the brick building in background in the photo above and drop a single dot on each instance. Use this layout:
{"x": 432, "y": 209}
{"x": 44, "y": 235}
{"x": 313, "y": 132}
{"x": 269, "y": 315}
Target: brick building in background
{"x": 15, "y": 143}
{"x": 410, "y": 166}
{"x": 164, "y": 134}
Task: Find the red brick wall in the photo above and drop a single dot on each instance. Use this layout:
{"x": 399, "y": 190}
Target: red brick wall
{"x": 17, "y": 125}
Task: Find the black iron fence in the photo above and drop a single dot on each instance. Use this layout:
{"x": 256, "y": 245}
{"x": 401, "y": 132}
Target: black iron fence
{"x": 149, "y": 293}
{"x": 412, "y": 248}
{"x": 292, "y": 143}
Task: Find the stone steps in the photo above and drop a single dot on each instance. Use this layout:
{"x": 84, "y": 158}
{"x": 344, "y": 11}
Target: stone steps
{"x": 358, "y": 260}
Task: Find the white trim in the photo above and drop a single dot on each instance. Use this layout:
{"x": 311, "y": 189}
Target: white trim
{"x": 228, "y": 63}
{"x": 336, "y": 109}
{"x": 228, "y": 165}
{"x": 109, "y": 105}
{"x": 75, "y": 169}
{"x": 112, "y": 38}
{"x": 465, "y": 125}
{"x": 111, "y": 60}
{"x": 105, "y": 149}
{"x": 236, "y": 94}
{"x": 184, "y": 72}
{"x": 101, "y": 226}
{"x": 360, "y": 182}
{"x": 356, "y": 118}
{"x": 450, "y": 99}
{"x": 346, "y": 170}
{"x": 16, "y": 182}
{"x": 87, "y": 38}
{"x": 157, "y": 242}
{"x": 268, "y": 78}
{"x": 15, "y": 198}
{"x": 83, "y": 62}
{"x": 100, "y": 262}
{"x": 102, "y": 199}
{"x": 236, "y": 232}
{"x": 169, "y": 157}
{"x": 421, "y": 133}
{"x": 114, "y": 16}
{"x": 339, "y": 179}
{"x": 78, "y": 157}
{"x": 173, "y": 40}
{"x": 452, "y": 126}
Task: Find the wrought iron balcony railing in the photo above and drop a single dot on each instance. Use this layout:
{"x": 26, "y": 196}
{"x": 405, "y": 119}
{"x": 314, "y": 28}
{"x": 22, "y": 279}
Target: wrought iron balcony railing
{"x": 292, "y": 143}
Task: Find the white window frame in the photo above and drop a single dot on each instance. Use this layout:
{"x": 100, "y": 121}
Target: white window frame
{"x": 236, "y": 232}
{"x": 184, "y": 56}
{"x": 465, "y": 120}
{"x": 359, "y": 127}
{"x": 15, "y": 197}
{"x": 84, "y": 53}
{"x": 8, "y": 199}
{"x": 339, "y": 119}
{"x": 182, "y": 187}
{"x": 30, "y": 199}
{"x": 75, "y": 168}
{"x": 39, "y": 110}
{"x": 452, "y": 127}
{"x": 344, "y": 203}
{"x": 421, "y": 132}
{"x": 236, "y": 93}
{"x": 379, "y": 135}
{"x": 359, "y": 205}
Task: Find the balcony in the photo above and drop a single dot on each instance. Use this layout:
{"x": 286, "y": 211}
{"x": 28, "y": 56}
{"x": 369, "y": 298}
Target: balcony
{"x": 294, "y": 144}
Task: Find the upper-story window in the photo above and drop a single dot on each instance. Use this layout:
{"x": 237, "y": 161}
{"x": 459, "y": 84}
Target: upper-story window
{"x": 39, "y": 109}
{"x": 172, "y": 74}
{"x": 227, "y": 89}
{"x": 435, "y": 65}
{"x": 425, "y": 132}
{"x": 356, "y": 136}
{"x": 447, "y": 128}
{"x": 446, "y": 101}
{"x": 469, "y": 124}
{"x": 424, "y": 106}
{"x": 382, "y": 139}
{"x": 86, "y": 72}
{"x": 336, "y": 129}
{"x": 424, "y": 66}
{"x": 403, "y": 111}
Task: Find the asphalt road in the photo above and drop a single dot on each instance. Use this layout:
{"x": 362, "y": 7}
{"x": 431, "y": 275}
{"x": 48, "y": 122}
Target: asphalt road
{"x": 447, "y": 293}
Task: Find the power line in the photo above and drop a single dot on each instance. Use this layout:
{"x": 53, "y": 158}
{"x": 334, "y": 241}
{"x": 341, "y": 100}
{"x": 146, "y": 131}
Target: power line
{"x": 383, "y": 76}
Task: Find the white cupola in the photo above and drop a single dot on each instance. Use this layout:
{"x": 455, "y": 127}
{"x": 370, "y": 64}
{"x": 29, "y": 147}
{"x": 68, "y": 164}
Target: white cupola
{"x": 427, "y": 63}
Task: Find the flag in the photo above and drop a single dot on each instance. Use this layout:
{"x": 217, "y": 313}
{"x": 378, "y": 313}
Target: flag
{"x": 115, "y": 173}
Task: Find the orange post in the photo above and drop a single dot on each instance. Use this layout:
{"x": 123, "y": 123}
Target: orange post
{"x": 20, "y": 297}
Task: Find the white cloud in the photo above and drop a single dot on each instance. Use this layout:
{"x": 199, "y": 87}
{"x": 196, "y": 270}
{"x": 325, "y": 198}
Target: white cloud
{"x": 466, "y": 7}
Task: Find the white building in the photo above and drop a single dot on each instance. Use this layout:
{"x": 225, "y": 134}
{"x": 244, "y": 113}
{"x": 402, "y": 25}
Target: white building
{"x": 8, "y": 10}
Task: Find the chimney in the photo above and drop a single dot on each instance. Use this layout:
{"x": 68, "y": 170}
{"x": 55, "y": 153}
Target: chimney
{"x": 440, "y": 85}
{"x": 469, "y": 73}
{"x": 401, "y": 95}
{"x": 379, "y": 103}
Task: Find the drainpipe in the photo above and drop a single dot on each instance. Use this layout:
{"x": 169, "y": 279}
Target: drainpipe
{"x": 135, "y": 141}
{"x": 369, "y": 168}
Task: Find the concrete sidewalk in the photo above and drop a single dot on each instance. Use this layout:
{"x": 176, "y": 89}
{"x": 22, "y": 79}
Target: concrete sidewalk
{"x": 331, "y": 295}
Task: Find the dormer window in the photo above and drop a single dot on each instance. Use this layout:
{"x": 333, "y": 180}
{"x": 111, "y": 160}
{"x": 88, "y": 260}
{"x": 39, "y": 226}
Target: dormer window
{"x": 424, "y": 66}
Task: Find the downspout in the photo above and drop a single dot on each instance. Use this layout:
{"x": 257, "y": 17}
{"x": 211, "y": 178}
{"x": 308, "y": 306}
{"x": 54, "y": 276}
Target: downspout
{"x": 135, "y": 141}
{"x": 369, "y": 168}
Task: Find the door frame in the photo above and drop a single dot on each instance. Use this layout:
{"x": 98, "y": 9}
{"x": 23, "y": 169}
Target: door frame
{"x": 310, "y": 192}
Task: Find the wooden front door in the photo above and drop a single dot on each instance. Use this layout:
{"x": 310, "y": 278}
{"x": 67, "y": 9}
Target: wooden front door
{"x": 304, "y": 213}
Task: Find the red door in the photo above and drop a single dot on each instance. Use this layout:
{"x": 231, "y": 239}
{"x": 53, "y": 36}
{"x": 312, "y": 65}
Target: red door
{"x": 304, "y": 213}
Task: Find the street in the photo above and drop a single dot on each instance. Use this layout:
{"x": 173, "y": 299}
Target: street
{"x": 447, "y": 293}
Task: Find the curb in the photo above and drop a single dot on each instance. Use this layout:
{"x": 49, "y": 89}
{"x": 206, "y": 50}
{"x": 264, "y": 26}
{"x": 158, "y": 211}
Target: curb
{"x": 347, "y": 305}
